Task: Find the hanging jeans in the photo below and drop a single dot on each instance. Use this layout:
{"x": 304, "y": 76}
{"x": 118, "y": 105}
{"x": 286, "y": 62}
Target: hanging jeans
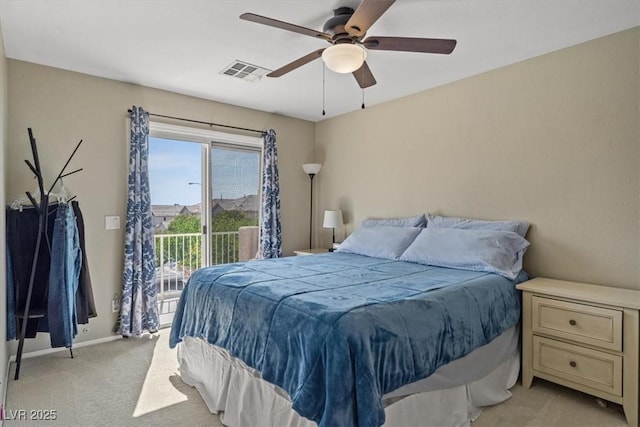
{"x": 66, "y": 262}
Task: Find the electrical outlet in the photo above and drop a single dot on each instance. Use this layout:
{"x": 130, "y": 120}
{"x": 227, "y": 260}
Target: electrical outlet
{"x": 115, "y": 305}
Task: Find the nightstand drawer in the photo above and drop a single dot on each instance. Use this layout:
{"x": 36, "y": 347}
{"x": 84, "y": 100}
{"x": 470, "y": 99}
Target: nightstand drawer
{"x": 595, "y": 369}
{"x": 597, "y": 326}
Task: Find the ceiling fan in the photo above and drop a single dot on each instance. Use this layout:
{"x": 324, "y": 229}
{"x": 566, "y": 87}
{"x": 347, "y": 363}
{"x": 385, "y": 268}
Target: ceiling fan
{"x": 345, "y": 31}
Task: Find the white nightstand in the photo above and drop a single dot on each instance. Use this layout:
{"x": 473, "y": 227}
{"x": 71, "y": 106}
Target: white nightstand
{"x": 301, "y": 252}
{"x": 583, "y": 336}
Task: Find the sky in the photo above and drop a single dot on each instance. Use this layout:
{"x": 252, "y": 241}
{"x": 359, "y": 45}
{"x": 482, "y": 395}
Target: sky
{"x": 174, "y": 164}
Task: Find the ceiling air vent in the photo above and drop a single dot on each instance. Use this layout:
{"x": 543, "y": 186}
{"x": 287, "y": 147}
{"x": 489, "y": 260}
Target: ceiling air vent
{"x": 244, "y": 71}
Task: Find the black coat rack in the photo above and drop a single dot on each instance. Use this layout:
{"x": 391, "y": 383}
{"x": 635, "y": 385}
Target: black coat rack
{"x": 41, "y": 208}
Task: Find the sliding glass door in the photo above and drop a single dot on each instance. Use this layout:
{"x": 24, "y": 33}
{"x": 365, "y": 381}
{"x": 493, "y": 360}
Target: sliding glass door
{"x": 205, "y": 205}
{"x": 234, "y": 195}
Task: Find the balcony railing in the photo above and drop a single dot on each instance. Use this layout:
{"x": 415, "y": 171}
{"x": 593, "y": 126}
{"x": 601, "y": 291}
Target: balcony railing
{"x": 179, "y": 255}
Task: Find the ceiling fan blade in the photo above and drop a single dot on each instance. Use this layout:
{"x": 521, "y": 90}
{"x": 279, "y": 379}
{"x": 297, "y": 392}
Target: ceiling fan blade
{"x": 410, "y": 44}
{"x": 284, "y": 26}
{"x": 296, "y": 64}
{"x": 365, "y": 15}
{"x": 364, "y": 76}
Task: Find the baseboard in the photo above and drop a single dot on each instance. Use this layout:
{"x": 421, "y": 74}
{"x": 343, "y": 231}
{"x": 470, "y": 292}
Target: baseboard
{"x": 55, "y": 350}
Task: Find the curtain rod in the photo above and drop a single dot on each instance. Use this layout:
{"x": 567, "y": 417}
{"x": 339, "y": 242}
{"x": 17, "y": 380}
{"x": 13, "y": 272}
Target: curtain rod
{"x": 203, "y": 123}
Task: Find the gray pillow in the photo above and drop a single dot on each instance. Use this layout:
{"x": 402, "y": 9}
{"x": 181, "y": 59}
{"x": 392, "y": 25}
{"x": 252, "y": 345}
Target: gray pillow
{"x": 410, "y": 221}
{"x": 438, "y": 221}
{"x": 492, "y": 251}
{"x": 379, "y": 242}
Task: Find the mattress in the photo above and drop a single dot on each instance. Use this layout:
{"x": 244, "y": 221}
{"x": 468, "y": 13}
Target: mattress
{"x": 338, "y": 331}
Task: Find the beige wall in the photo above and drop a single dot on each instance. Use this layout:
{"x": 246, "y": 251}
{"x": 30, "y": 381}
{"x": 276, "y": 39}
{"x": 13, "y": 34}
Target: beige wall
{"x": 554, "y": 140}
{"x": 3, "y": 143}
{"x": 63, "y": 107}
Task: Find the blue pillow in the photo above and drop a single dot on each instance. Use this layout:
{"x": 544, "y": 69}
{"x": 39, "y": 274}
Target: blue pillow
{"x": 438, "y": 221}
{"x": 410, "y": 221}
{"x": 492, "y": 251}
{"x": 379, "y": 242}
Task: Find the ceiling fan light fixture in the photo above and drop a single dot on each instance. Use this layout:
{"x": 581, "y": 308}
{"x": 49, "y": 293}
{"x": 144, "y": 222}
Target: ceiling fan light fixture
{"x": 344, "y": 57}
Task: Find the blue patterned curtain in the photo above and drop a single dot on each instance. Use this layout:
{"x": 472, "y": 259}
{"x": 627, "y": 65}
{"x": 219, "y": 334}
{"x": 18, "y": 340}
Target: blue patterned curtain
{"x": 270, "y": 238}
{"x": 139, "y": 309}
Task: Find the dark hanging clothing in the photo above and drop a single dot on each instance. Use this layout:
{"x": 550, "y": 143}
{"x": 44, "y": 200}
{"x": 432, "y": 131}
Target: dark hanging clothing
{"x": 85, "y": 305}
{"x": 22, "y": 232}
{"x": 62, "y": 286}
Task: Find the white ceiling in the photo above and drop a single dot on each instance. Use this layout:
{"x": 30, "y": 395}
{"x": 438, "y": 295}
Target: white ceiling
{"x": 181, "y": 46}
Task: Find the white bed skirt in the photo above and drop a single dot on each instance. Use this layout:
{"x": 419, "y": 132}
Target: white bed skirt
{"x": 451, "y": 396}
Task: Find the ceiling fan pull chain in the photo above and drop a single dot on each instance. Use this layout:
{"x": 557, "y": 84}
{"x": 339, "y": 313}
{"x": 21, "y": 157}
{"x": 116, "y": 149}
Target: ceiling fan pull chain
{"x": 362, "y": 74}
{"x": 323, "y": 87}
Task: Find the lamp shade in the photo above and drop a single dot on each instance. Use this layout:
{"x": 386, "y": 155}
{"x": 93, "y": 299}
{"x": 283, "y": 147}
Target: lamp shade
{"x": 311, "y": 168}
{"x": 332, "y": 219}
{"x": 344, "y": 58}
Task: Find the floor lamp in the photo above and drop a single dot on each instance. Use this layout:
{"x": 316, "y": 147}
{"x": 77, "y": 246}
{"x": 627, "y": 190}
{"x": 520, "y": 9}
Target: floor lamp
{"x": 311, "y": 169}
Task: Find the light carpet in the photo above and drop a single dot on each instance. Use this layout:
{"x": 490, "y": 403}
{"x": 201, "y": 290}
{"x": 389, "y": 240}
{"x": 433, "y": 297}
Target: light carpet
{"x": 135, "y": 382}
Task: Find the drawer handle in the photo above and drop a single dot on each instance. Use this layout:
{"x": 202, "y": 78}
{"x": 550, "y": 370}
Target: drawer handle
{"x": 572, "y": 322}
{"x": 573, "y": 364}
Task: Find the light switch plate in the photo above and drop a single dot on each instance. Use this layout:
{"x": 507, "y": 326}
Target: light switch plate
{"x": 111, "y": 222}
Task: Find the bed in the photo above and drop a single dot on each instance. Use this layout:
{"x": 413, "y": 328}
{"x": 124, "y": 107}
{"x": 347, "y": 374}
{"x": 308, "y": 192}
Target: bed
{"x": 446, "y": 398}
{"x": 357, "y": 338}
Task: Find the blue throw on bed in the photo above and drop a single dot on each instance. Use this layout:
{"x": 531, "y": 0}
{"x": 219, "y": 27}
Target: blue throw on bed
{"x": 339, "y": 330}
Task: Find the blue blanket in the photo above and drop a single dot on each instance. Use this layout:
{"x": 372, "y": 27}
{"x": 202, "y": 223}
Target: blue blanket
{"x": 339, "y": 330}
